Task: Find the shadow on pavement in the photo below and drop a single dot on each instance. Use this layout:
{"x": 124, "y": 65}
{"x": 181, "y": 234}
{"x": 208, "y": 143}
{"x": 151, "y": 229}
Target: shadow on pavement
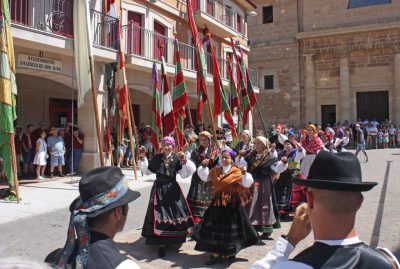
{"x": 175, "y": 256}
{"x": 396, "y": 253}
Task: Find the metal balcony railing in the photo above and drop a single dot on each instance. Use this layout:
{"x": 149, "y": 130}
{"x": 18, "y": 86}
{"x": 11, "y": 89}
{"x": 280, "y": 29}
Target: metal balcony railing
{"x": 104, "y": 30}
{"x": 54, "y": 16}
{"x": 144, "y": 43}
{"x": 217, "y": 10}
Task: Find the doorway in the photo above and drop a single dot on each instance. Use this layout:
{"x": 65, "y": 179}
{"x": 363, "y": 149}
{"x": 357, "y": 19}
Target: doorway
{"x": 373, "y": 105}
{"x": 328, "y": 115}
{"x": 60, "y": 112}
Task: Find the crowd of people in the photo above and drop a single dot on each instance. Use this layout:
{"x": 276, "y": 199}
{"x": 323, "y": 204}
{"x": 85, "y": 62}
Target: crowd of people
{"x": 40, "y": 151}
{"x": 238, "y": 193}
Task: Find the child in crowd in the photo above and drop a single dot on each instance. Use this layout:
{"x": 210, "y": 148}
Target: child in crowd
{"x": 385, "y": 139}
{"x": 380, "y": 139}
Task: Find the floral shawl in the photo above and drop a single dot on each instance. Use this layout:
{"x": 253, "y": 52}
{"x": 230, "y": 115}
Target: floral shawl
{"x": 312, "y": 145}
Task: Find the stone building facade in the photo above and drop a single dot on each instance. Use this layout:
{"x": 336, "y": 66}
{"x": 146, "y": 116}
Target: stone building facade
{"x": 328, "y": 61}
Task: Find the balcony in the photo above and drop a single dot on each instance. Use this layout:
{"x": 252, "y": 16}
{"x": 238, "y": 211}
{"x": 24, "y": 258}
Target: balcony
{"x": 52, "y": 16}
{"x": 219, "y": 18}
{"x": 143, "y": 44}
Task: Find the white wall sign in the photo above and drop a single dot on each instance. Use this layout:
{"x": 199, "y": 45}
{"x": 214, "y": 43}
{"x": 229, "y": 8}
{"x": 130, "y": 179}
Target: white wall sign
{"x": 39, "y": 63}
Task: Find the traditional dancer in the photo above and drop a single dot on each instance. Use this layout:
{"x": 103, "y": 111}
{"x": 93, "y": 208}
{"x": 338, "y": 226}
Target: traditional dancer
{"x": 312, "y": 144}
{"x": 244, "y": 147}
{"x": 200, "y": 193}
{"x": 263, "y": 211}
{"x": 168, "y": 219}
{"x": 289, "y": 195}
{"x": 225, "y": 228}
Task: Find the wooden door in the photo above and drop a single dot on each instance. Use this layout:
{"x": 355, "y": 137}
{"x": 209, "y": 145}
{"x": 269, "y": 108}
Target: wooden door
{"x": 134, "y": 38}
{"x": 372, "y": 105}
{"x": 328, "y": 115}
{"x": 61, "y": 112}
{"x": 159, "y": 37}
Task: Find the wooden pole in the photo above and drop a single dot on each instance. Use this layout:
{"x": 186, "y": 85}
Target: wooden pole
{"x": 131, "y": 137}
{"x": 254, "y": 118}
{"x": 261, "y": 117}
{"x": 96, "y": 111}
{"x": 189, "y": 112}
{"x": 134, "y": 125}
{"x": 14, "y": 166}
{"x": 212, "y": 122}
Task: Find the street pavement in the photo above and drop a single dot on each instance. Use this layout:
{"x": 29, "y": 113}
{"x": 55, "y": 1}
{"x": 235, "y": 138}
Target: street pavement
{"x": 38, "y": 224}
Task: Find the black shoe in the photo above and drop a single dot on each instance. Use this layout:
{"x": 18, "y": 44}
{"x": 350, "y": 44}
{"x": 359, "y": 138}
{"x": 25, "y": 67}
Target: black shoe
{"x": 266, "y": 236}
{"x": 161, "y": 252}
{"x": 51, "y": 175}
{"x": 61, "y": 174}
{"x": 213, "y": 260}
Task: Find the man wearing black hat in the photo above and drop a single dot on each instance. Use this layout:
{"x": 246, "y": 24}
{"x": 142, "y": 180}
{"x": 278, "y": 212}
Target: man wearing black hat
{"x": 334, "y": 196}
{"x": 97, "y": 215}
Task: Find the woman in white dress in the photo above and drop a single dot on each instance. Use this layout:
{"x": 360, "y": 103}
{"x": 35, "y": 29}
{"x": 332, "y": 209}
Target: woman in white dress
{"x": 40, "y": 156}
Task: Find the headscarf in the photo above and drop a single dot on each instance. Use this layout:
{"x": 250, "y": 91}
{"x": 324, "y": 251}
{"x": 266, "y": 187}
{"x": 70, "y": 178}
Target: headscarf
{"x": 231, "y": 153}
{"x": 79, "y": 226}
{"x": 290, "y": 142}
{"x": 263, "y": 139}
{"x": 247, "y": 132}
{"x": 312, "y": 126}
{"x": 206, "y": 134}
{"x": 168, "y": 140}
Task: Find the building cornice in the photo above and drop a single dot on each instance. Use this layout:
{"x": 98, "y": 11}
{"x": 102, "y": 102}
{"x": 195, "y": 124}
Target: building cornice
{"x": 349, "y": 30}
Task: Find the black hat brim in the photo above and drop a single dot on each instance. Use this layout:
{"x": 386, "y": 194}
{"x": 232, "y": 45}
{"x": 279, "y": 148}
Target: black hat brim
{"x": 335, "y": 185}
{"x": 129, "y": 196}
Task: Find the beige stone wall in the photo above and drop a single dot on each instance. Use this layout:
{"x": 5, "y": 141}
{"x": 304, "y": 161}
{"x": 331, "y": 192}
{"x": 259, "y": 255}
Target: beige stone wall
{"x": 325, "y": 14}
{"x": 284, "y": 27}
{"x": 370, "y": 59}
{"x": 282, "y": 104}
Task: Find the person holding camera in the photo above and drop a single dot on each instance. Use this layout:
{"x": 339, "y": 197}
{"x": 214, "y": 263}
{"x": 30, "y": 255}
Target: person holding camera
{"x": 334, "y": 195}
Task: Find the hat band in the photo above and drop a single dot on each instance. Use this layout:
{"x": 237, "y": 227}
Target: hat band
{"x": 106, "y": 198}
{"x": 78, "y": 225}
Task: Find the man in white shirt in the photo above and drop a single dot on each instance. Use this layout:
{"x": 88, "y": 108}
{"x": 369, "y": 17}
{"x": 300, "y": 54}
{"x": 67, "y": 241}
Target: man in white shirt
{"x": 334, "y": 196}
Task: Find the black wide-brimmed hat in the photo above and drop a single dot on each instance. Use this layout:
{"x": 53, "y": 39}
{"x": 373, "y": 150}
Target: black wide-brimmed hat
{"x": 101, "y": 180}
{"x": 336, "y": 171}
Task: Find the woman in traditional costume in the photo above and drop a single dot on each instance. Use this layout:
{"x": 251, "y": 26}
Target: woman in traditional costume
{"x": 312, "y": 144}
{"x": 168, "y": 219}
{"x": 225, "y": 228}
{"x": 263, "y": 211}
{"x": 200, "y": 192}
{"x": 288, "y": 194}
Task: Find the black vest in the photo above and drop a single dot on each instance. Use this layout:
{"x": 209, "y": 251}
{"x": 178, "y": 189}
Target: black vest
{"x": 104, "y": 254}
{"x": 355, "y": 256}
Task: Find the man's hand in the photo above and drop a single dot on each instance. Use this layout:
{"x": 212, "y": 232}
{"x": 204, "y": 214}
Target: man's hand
{"x": 300, "y": 226}
{"x": 284, "y": 160}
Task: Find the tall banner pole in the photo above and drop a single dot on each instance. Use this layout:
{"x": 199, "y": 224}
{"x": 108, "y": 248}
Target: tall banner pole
{"x": 14, "y": 166}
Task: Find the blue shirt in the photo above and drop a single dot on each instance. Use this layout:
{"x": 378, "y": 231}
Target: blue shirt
{"x": 56, "y": 145}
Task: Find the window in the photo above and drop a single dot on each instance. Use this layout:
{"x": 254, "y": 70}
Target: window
{"x": 268, "y": 15}
{"x": 238, "y": 23}
{"x": 365, "y": 3}
{"x": 269, "y": 82}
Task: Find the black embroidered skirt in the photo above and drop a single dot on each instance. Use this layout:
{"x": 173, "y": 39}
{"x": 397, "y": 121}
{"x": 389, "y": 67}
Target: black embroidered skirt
{"x": 199, "y": 195}
{"x": 225, "y": 229}
{"x": 168, "y": 219}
